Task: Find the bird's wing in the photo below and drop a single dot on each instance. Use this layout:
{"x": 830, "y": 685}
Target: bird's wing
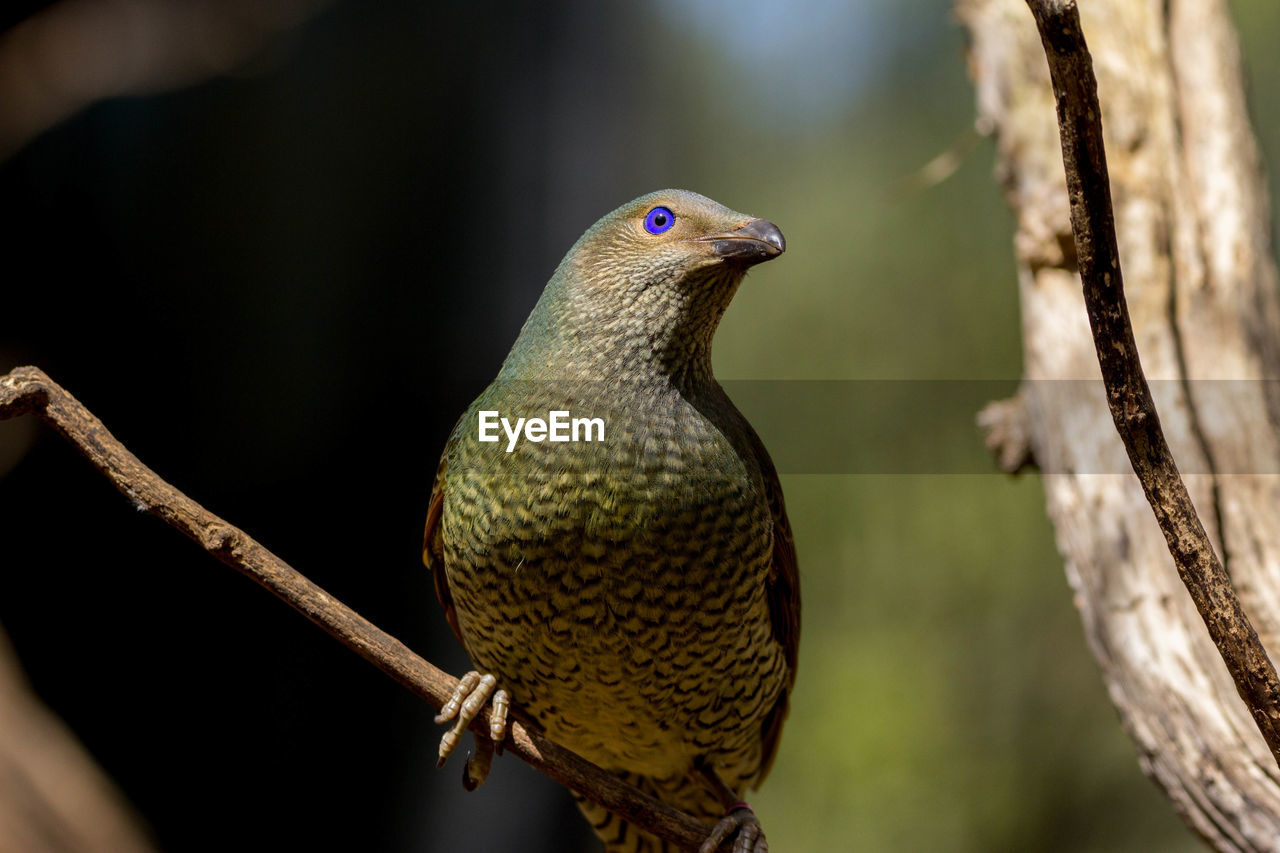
{"x": 433, "y": 542}
{"x": 783, "y": 591}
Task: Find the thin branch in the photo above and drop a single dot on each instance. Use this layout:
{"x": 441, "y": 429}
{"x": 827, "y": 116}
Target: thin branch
{"x": 1129, "y": 398}
{"x": 30, "y": 390}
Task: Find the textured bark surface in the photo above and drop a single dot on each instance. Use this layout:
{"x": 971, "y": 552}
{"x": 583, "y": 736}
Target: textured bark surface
{"x": 1194, "y": 234}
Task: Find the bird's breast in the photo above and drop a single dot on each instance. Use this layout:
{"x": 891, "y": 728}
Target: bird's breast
{"x": 648, "y": 482}
{"x": 621, "y": 574}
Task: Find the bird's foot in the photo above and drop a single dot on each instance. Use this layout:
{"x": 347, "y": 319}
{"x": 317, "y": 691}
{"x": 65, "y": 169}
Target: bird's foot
{"x": 466, "y": 703}
{"x": 741, "y": 824}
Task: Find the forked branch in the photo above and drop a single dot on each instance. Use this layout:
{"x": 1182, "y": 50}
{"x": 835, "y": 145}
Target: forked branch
{"x": 30, "y": 390}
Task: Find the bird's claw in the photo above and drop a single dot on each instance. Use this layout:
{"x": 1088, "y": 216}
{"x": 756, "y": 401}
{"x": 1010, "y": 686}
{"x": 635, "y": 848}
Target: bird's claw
{"x": 466, "y": 703}
{"x": 741, "y": 824}
{"x": 476, "y": 770}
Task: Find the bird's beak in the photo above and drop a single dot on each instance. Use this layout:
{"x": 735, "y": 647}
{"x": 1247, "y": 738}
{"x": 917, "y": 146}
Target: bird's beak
{"x": 759, "y": 240}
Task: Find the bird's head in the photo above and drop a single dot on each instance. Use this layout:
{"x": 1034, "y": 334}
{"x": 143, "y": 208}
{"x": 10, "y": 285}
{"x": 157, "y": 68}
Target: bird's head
{"x": 649, "y": 282}
{"x": 671, "y": 238}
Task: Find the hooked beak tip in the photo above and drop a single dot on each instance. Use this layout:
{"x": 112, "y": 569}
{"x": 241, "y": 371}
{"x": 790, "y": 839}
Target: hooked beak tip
{"x": 757, "y": 241}
{"x": 766, "y": 232}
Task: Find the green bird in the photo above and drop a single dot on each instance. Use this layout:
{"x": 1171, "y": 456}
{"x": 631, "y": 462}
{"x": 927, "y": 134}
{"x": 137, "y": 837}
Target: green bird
{"x": 635, "y": 590}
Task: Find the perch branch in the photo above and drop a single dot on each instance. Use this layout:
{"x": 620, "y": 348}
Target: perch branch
{"x": 1129, "y": 398}
{"x": 30, "y": 390}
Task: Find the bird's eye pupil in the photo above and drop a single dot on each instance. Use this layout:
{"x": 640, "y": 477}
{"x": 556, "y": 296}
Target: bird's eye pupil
{"x": 659, "y": 220}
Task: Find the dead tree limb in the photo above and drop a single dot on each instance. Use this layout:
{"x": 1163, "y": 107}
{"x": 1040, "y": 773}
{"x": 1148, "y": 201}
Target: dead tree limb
{"x": 1200, "y": 282}
{"x": 29, "y": 390}
{"x": 1128, "y": 396}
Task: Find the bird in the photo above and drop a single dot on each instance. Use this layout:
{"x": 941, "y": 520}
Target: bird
{"x": 634, "y": 591}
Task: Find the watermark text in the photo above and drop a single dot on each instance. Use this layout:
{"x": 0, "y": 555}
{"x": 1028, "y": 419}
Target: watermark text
{"x": 559, "y": 425}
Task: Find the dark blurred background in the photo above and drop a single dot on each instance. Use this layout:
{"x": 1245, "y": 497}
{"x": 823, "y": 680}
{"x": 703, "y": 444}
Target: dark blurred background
{"x": 278, "y": 247}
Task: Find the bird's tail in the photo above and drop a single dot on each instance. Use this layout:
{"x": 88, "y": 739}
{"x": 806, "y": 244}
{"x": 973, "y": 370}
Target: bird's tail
{"x": 682, "y": 792}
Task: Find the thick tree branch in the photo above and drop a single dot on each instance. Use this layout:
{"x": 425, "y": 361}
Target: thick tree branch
{"x": 1128, "y": 396}
{"x": 30, "y": 390}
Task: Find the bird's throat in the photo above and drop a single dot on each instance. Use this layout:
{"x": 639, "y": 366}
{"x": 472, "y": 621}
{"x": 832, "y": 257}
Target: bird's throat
{"x": 661, "y": 333}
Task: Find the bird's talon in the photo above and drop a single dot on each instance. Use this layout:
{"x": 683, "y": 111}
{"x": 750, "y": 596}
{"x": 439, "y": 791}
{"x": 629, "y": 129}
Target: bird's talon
{"x": 741, "y": 824}
{"x": 460, "y": 692}
{"x": 476, "y": 770}
{"x": 468, "y": 700}
{"x": 498, "y": 719}
{"x": 449, "y": 742}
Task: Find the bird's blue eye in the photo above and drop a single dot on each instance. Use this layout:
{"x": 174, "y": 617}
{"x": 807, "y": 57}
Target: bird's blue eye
{"x": 658, "y": 220}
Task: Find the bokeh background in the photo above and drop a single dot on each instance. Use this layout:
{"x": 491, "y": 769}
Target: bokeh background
{"x": 279, "y": 266}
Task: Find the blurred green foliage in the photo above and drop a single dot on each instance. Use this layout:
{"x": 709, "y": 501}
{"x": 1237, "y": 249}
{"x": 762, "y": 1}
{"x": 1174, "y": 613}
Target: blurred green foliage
{"x": 946, "y": 699}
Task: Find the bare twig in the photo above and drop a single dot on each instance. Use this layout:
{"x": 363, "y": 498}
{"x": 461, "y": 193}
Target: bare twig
{"x": 1129, "y": 398}
{"x": 30, "y": 390}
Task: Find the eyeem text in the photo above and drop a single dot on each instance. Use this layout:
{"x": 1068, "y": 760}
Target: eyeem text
{"x": 559, "y": 425}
